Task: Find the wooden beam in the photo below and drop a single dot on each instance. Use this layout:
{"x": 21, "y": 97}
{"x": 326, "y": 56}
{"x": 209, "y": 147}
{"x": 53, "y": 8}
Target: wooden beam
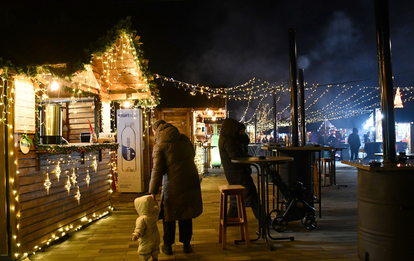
{"x": 129, "y": 90}
{"x": 4, "y": 244}
{"x": 134, "y": 96}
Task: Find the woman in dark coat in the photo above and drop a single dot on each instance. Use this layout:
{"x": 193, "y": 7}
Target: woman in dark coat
{"x": 230, "y": 148}
{"x": 173, "y": 158}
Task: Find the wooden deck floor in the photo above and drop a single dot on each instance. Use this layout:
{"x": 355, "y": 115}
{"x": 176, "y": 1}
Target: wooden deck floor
{"x": 335, "y": 237}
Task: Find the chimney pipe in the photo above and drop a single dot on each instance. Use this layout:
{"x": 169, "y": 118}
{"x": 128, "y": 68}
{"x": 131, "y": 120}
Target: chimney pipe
{"x": 302, "y": 107}
{"x": 385, "y": 80}
{"x": 293, "y": 86}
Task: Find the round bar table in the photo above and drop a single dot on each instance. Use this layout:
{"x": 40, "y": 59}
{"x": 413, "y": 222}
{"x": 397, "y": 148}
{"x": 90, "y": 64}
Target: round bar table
{"x": 207, "y": 148}
{"x": 262, "y": 187}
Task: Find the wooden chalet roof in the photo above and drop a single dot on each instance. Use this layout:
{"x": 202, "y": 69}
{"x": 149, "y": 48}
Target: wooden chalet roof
{"x": 110, "y": 63}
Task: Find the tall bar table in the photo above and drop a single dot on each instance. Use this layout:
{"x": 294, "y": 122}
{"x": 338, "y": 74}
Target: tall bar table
{"x": 207, "y": 149}
{"x": 262, "y": 187}
{"x": 302, "y": 169}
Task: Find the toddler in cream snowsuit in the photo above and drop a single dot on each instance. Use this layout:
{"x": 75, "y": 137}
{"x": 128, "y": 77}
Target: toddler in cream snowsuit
{"x": 146, "y": 230}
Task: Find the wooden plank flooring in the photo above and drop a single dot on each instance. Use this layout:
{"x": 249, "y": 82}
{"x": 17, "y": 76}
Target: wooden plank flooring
{"x": 335, "y": 237}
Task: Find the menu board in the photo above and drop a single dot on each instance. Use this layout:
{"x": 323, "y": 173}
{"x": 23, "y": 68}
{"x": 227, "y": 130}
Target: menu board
{"x": 24, "y": 107}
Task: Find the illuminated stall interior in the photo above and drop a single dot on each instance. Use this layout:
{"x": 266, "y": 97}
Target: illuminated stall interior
{"x": 207, "y": 130}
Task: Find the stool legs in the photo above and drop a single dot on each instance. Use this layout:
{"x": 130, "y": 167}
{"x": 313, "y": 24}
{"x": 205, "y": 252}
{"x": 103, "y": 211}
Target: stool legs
{"x": 240, "y": 221}
{"x": 325, "y": 174}
{"x": 246, "y": 227}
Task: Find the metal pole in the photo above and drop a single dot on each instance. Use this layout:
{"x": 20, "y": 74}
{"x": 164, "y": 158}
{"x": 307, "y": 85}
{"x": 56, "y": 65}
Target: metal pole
{"x": 302, "y": 107}
{"x": 293, "y": 86}
{"x": 385, "y": 80}
{"x": 375, "y": 124}
{"x": 274, "y": 116}
{"x": 255, "y": 128}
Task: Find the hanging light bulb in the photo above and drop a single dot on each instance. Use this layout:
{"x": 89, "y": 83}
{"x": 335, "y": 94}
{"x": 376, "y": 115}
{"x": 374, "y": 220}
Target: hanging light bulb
{"x": 126, "y": 104}
{"x": 54, "y": 86}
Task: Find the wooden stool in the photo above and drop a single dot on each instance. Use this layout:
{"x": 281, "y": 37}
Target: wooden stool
{"x": 240, "y": 221}
{"x": 326, "y": 174}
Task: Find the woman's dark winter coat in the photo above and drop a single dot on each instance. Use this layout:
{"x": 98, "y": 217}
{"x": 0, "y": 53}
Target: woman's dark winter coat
{"x": 173, "y": 158}
{"x": 230, "y": 148}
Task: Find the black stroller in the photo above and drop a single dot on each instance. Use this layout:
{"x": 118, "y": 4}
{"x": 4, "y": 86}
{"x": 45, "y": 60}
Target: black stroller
{"x": 295, "y": 206}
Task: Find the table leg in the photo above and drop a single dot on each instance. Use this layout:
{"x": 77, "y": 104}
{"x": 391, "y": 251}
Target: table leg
{"x": 333, "y": 171}
{"x": 263, "y": 214}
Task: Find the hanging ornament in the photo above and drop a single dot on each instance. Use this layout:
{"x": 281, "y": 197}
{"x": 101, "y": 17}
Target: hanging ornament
{"x": 88, "y": 178}
{"x": 78, "y": 195}
{"x": 68, "y": 185}
{"x": 58, "y": 171}
{"x": 95, "y": 164}
{"x": 73, "y": 177}
{"x": 47, "y": 183}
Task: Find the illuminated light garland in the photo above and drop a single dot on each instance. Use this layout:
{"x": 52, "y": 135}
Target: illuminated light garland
{"x": 199, "y": 159}
{"x": 225, "y": 92}
{"x": 349, "y": 106}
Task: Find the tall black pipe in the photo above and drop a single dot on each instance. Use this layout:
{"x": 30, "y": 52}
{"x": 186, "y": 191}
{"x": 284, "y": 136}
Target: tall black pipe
{"x": 255, "y": 127}
{"x": 302, "y": 107}
{"x": 293, "y": 86}
{"x": 385, "y": 80}
{"x": 374, "y": 118}
{"x": 274, "y": 116}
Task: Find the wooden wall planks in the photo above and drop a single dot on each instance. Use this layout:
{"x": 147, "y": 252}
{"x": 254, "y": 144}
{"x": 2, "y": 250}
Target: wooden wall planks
{"x": 79, "y": 113}
{"x": 42, "y": 215}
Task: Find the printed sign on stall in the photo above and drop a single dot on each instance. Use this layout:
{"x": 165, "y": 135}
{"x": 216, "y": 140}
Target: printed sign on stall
{"x": 130, "y": 150}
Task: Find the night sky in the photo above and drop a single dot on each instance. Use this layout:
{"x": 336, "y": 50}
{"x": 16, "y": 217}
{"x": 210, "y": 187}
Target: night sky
{"x": 229, "y": 42}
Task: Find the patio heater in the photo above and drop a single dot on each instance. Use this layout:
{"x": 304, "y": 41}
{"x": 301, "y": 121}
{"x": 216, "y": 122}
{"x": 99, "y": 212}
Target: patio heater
{"x": 385, "y": 80}
{"x": 385, "y": 198}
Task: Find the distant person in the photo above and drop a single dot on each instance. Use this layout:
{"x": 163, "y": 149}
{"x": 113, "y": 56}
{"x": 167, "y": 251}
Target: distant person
{"x": 333, "y": 141}
{"x": 366, "y": 137}
{"x": 236, "y": 173}
{"x": 354, "y": 143}
{"x": 321, "y": 138}
{"x": 146, "y": 229}
{"x": 174, "y": 167}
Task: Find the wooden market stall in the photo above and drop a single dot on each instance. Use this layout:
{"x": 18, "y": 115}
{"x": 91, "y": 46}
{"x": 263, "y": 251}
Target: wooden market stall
{"x": 56, "y": 180}
{"x": 197, "y": 116}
